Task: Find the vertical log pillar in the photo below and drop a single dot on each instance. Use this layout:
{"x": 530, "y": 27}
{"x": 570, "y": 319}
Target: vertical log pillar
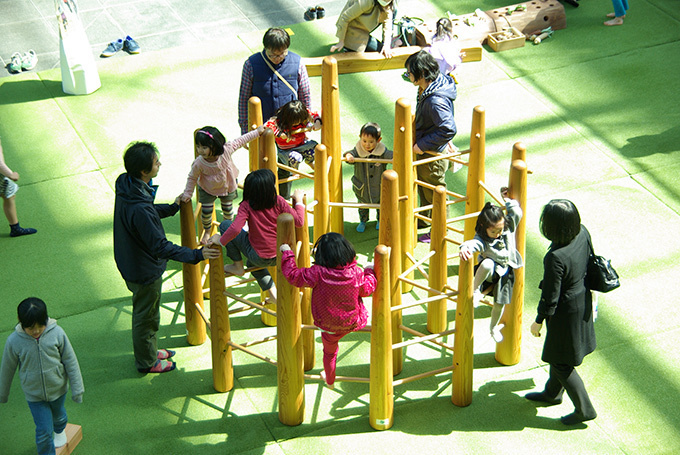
{"x": 304, "y": 260}
{"x": 436, "y": 310}
{"x": 254, "y": 120}
{"x": 321, "y": 209}
{"x": 267, "y": 160}
{"x": 403, "y": 164}
{"x": 508, "y": 351}
{"x": 220, "y": 331}
{"x": 330, "y": 136}
{"x": 381, "y": 406}
{"x": 191, "y": 276}
{"x": 389, "y": 235}
{"x": 461, "y": 394}
{"x": 461, "y": 390}
{"x": 290, "y": 363}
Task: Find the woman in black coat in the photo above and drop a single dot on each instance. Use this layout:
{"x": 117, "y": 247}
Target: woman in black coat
{"x": 566, "y": 307}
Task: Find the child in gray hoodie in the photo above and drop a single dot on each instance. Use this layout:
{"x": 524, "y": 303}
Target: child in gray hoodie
{"x": 47, "y": 362}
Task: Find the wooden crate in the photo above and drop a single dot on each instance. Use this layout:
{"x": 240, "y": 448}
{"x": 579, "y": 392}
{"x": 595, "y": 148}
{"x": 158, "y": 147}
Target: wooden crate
{"x": 507, "y": 39}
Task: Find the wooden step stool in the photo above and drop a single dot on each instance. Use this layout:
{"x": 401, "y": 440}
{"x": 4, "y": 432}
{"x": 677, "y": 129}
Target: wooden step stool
{"x": 74, "y": 433}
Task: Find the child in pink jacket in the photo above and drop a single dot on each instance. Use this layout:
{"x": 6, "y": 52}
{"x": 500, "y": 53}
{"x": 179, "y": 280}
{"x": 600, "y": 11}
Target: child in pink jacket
{"x": 338, "y": 285}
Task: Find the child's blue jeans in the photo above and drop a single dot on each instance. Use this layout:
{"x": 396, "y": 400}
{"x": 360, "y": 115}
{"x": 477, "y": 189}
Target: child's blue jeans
{"x": 49, "y": 416}
{"x": 240, "y": 245}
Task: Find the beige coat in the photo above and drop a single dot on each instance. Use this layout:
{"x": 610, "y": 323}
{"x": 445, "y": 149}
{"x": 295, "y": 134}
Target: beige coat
{"x": 358, "y": 19}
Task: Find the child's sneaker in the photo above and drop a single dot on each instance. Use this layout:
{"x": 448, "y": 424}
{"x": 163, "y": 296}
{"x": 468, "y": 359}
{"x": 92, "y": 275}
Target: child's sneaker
{"x": 130, "y": 46}
{"x": 60, "y": 439}
{"x": 377, "y": 225}
{"x": 112, "y": 48}
{"x": 496, "y": 333}
{"x": 361, "y": 227}
{"x": 477, "y": 297}
{"x": 16, "y": 230}
{"x": 29, "y": 60}
{"x": 15, "y": 63}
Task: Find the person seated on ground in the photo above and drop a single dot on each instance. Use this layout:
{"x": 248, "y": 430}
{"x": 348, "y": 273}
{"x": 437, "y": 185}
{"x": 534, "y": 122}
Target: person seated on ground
{"x": 358, "y": 19}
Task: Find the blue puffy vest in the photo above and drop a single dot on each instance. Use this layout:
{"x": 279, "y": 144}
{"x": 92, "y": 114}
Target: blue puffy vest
{"x": 267, "y": 86}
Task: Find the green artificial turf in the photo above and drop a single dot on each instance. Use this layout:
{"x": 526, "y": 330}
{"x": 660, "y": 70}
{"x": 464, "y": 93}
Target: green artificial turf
{"x": 596, "y": 108}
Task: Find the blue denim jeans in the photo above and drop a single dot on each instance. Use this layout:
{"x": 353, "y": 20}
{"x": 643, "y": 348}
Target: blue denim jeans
{"x": 49, "y": 416}
{"x": 239, "y": 246}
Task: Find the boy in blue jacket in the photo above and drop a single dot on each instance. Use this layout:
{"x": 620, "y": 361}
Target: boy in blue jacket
{"x": 141, "y": 251}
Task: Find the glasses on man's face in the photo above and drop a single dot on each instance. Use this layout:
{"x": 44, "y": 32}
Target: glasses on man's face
{"x": 276, "y": 56}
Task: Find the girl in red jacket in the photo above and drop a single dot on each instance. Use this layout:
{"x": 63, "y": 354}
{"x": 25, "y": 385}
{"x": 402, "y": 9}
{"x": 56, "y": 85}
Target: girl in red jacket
{"x": 338, "y": 285}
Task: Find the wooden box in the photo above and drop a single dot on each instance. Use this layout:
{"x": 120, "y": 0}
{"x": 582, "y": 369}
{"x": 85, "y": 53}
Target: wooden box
{"x": 507, "y": 39}
{"x": 74, "y": 434}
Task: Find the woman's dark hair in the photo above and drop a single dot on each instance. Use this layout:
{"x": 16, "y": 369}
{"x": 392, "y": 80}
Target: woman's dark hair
{"x": 560, "y": 221}
{"x": 444, "y": 28}
{"x": 422, "y": 65}
{"x": 210, "y": 137}
{"x": 333, "y": 250}
{"x": 139, "y": 158}
{"x": 276, "y": 39}
{"x": 259, "y": 189}
{"x": 32, "y": 311}
{"x": 371, "y": 129}
{"x": 291, "y": 115}
{"x": 488, "y": 217}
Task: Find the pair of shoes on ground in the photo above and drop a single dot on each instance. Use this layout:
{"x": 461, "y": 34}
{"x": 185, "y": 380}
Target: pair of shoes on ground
{"x": 25, "y": 62}
{"x": 317, "y": 12}
{"x": 60, "y": 439}
{"x": 361, "y": 227}
{"x": 161, "y": 365}
{"x": 129, "y": 45}
{"x": 16, "y": 230}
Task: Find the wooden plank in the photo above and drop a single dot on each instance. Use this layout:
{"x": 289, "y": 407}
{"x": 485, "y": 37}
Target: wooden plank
{"x": 74, "y": 434}
{"x": 359, "y": 62}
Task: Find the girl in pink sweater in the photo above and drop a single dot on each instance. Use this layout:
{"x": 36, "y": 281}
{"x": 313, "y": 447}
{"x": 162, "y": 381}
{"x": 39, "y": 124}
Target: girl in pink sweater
{"x": 260, "y": 208}
{"x": 215, "y": 173}
{"x": 338, "y": 285}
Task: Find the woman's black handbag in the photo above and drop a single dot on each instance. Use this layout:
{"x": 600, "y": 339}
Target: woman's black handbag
{"x": 600, "y": 276}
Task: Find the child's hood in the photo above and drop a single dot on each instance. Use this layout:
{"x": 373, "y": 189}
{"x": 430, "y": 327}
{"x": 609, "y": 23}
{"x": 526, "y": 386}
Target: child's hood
{"x": 377, "y": 151}
{"x": 51, "y": 323}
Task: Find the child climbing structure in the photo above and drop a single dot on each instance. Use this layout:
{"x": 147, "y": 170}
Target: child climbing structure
{"x": 394, "y": 266}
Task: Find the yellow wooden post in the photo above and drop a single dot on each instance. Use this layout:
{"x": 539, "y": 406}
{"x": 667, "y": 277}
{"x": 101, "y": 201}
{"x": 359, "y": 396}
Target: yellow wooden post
{"x": 191, "y": 276}
{"x": 403, "y": 164}
{"x": 330, "y": 136}
{"x": 461, "y": 394}
{"x": 254, "y": 120}
{"x": 304, "y": 260}
{"x": 389, "y": 235}
{"x": 476, "y": 170}
{"x": 290, "y": 371}
{"x": 508, "y": 351}
{"x": 220, "y": 331}
{"x": 381, "y": 406}
{"x": 267, "y": 160}
{"x": 436, "y": 310}
{"x": 461, "y": 389}
{"x": 321, "y": 212}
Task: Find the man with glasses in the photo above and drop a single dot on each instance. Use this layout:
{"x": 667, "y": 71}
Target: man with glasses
{"x": 274, "y": 75}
